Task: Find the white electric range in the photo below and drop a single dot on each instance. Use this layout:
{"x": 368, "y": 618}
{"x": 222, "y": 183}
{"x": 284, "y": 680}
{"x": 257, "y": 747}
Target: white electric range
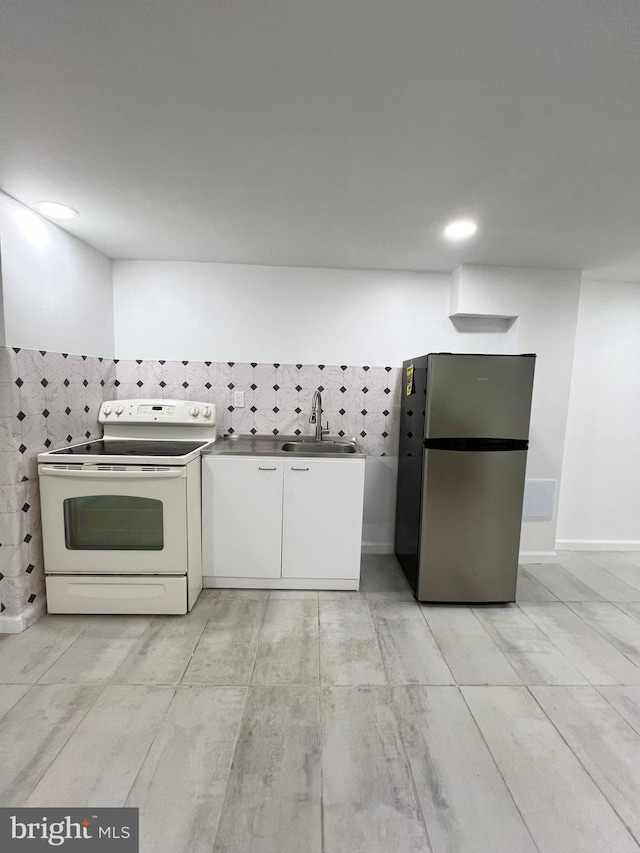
{"x": 121, "y": 516}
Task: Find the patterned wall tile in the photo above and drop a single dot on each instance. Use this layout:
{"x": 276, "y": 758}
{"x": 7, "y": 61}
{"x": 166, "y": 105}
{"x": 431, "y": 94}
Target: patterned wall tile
{"x": 34, "y": 590}
{"x": 76, "y": 395}
{"x": 263, "y": 397}
{"x": 196, "y": 374}
{"x": 13, "y": 565}
{"x": 355, "y": 401}
{"x": 174, "y": 373}
{"x": 289, "y": 375}
{"x": 31, "y": 505}
{"x": 55, "y": 367}
{"x": 150, "y": 373}
{"x": 9, "y": 431}
{"x": 353, "y": 378}
{"x": 11, "y": 467}
{"x": 331, "y": 378}
{"x": 57, "y": 428}
{"x": 30, "y": 460}
{"x": 47, "y": 400}
{"x": 56, "y": 396}
{"x": 127, "y": 391}
{"x": 241, "y": 420}
{"x": 28, "y": 364}
{"x": 310, "y": 376}
{"x": 78, "y": 423}
{"x": 176, "y": 392}
{"x": 74, "y": 370}
{"x": 241, "y": 374}
{"x": 265, "y": 375}
{"x": 15, "y": 594}
{"x": 353, "y": 424}
{"x": 220, "y": 374}
{"x": 35, "y": 429}
{"x": 287, "y": 401}
{"x": 373, "y": 422}
{"x": 223, "y": 418}
{"x": 287, "y": 422}
{"x": 13, "y": 527}
{"x": 128, "y": 372}
{"x": 12, "y": 497}
{"x": 9, "y": 399}
{"x": 264, "y": 422}
{"x": 12, "y": 560}
{"x": 277, "y": 396}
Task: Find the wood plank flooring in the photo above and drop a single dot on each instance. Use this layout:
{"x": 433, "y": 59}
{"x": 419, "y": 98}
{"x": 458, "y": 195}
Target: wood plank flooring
{"x": 344, "y": 722}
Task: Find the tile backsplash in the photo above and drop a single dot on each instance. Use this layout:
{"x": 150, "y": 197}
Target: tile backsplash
{"x": 50, "y": 399}
{"x": 356, "y": 401}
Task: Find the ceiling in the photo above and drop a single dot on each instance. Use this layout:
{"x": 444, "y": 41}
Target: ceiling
{"x": 330, "y": 133}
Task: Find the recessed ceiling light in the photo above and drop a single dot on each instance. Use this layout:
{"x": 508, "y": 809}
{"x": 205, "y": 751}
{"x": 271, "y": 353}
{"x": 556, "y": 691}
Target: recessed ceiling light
{"x": 53, "y": 210}
{"x": 460, "y": 229}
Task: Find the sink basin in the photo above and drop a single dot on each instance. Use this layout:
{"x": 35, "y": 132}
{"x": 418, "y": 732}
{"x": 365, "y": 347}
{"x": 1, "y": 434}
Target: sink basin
{"x": 319, "y": 447}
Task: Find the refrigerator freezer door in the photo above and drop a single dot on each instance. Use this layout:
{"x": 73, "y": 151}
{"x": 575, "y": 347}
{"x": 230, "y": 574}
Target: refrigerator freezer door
{"x": 479, "y": 396}
{"x": 471, "y": 516}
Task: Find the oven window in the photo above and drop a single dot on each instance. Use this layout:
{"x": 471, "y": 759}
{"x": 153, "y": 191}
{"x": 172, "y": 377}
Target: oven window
{"x": 113, "y": 523}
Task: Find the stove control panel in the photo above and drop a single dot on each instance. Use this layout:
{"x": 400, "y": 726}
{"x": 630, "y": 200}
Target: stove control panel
{"x": 159, "y": 410}
{"x": 178, "y": 412}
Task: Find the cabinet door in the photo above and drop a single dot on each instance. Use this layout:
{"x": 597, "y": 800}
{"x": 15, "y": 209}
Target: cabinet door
{"x": 242, "y": 517}
{"x": 322, "y": 521}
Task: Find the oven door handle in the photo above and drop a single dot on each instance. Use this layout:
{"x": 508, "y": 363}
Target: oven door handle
{"x": 95, "y": 474}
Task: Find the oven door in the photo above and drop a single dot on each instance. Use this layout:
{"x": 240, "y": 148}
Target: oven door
{"x": 131, "y": 521}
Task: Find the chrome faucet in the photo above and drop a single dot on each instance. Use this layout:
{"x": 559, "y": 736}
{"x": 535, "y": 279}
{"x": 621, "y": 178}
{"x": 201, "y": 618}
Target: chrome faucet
{"x": 316, "y": 415}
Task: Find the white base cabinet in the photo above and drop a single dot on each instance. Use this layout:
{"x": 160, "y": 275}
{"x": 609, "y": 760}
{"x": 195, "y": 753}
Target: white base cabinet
{"x": 322, "y": 519}
{"x": 283, "y": 523}
{"x": 242, "y": 517}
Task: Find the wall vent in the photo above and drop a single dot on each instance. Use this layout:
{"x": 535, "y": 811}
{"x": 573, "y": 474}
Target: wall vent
{"x": 539, "y": 500}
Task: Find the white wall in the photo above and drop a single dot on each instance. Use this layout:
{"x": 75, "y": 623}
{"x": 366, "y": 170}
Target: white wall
{"x": 546, "y": 304}
{"x": 224, "y": 312}
{"x": 234, "y": 312}
{"x": 57, "y": 291}
{"x": 600, "y": 501}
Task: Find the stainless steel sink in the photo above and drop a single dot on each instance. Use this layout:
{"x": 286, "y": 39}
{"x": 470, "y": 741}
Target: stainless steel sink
{"x": 319, "y": 447}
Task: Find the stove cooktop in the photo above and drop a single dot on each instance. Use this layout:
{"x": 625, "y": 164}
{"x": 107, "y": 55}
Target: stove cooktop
{"x": 131, "y": 447}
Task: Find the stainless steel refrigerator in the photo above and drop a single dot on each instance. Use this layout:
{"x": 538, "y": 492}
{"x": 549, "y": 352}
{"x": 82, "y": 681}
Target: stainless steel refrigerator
{"x": 464, "y": 431}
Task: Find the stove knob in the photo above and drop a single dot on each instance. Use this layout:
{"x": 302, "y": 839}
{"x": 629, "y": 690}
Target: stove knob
{"x": 119, "y": 410}
{"x": 107, "y": 410}
{"x": 206, "y": 412}
{"x": 195, "y": 411}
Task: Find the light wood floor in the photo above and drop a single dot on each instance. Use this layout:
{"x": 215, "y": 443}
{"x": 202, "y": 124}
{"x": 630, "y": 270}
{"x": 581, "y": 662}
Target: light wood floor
{"x": 301, "y": 722}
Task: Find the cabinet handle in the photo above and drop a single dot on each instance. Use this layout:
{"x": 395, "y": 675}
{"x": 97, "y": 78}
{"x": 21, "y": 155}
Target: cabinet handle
{"x": 265, "y": 469}
{"x": 299, "y": 469}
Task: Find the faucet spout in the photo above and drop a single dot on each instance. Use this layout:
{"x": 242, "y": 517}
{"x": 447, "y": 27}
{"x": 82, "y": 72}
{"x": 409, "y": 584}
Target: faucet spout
{"x": 316, "y": 415}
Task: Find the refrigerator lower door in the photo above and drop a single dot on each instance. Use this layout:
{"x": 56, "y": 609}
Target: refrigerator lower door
{"x": 470, "y": 528}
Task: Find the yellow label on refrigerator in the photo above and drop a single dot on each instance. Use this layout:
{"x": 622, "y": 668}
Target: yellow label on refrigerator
{"x": 409, "y": 380}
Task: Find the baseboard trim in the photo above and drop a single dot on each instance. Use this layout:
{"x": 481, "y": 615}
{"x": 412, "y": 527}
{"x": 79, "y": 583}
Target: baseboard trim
{"x": 537, "y": 557}
{"x": 598, "y": 544}
{"x": 524, "y": 557}
{"x": 377, "y": 548}
{"x": 210, "y": 582}
{"x": 11, "y": 624}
